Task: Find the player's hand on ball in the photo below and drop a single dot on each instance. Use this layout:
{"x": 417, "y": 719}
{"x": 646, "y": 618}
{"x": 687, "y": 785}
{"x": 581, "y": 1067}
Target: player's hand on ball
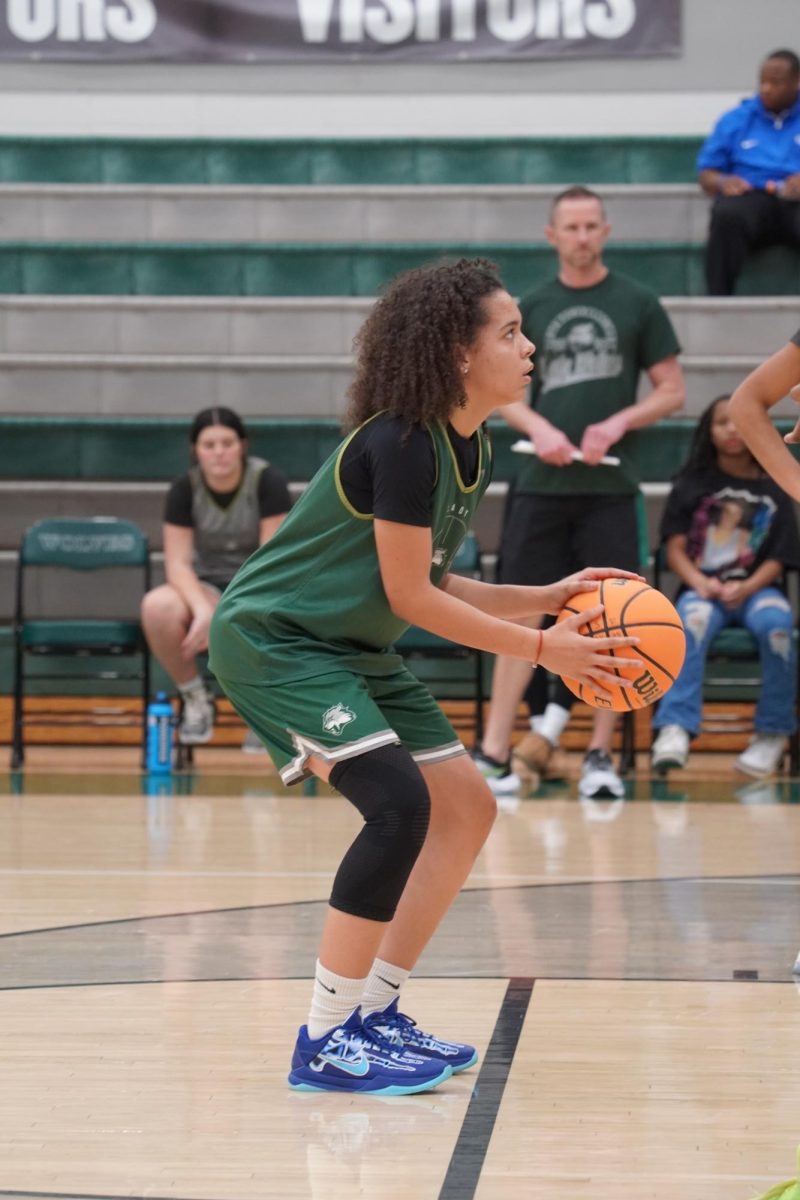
{"x": 581, "y": 581}
{"x": 566, "y": 651}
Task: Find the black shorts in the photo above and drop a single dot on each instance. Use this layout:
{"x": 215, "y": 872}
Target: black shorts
{"x": 548, "y": 537}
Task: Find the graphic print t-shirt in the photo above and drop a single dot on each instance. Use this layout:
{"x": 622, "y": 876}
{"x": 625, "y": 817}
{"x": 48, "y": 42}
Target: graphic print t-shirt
{"x": 591, "y": 346}
{"x": 732, "y": 525}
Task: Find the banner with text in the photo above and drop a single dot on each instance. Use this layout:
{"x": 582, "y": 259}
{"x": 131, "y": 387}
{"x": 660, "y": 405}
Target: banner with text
{"x": 253, "y": 31}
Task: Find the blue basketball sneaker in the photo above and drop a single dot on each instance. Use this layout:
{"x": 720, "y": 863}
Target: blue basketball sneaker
{"x": 403, "y": 1032}
{"x": 350, "y": 1058}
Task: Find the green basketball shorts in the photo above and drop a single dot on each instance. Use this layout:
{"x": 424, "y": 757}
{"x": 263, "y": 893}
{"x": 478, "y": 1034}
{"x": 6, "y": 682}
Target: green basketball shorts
{"x": 340, "y": 715}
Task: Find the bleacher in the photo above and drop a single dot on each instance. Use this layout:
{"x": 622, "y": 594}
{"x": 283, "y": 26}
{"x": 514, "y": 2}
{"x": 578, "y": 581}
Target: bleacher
{"x": 141, "y": 280}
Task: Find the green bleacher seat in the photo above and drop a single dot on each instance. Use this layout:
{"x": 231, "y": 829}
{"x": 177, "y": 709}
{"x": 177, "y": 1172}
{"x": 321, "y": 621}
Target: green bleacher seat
{"x": 349, "y": 161}
{"x": 337, "y": 269}
{"x": 259, "y": 269}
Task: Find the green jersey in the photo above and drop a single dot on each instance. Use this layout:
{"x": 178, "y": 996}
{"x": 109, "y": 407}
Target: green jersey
{"x": 311, "y": 600}
{"x": 591, "y": 346}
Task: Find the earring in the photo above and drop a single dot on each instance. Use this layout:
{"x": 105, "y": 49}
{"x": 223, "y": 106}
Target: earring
{"x": 465, "y": 368}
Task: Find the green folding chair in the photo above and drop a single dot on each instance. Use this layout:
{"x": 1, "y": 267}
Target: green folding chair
{"x": 78, "y": 590}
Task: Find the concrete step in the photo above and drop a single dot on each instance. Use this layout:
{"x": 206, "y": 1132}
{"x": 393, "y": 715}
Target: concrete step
{"x": 180, "y": 325}
{"x": 173, "y": 385}
{"x": 751, "y": 325}
{"x": 326, "y": 325}
{"x": 510, "y": 213}
{"x": 310, "y": 385}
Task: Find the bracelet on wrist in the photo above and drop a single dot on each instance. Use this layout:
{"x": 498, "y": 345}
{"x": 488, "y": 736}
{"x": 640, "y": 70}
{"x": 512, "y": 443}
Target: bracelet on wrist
{"x": 538, "y": 654}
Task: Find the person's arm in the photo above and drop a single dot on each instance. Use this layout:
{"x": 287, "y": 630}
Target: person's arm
{"x": 404, "y": 554}
{"x": 715, "y": 158}
{"x": 749, "y": 409}
{"x": 734, "y": 592}
{"x": 707, "y": 586}
{"x": 717, "y": 183}
{"x": 513, "y": 602}
{"x": 666, "y": 397}
{"x": 180, "y": 574}
{"x": 790, "y": 187}
{"x": 552, "y": 445}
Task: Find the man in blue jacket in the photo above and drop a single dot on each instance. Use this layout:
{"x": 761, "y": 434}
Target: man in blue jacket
{"x": 751, "y": 166}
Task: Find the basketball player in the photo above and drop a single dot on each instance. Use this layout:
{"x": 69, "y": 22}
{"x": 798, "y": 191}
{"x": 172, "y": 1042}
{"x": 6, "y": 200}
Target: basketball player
{"x": 302, "y": 643}
{"x": 749, "y": 409}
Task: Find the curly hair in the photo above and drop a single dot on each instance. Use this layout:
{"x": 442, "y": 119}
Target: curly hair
{"x": 702, "y": 452}
{"x": 407, "y": 349}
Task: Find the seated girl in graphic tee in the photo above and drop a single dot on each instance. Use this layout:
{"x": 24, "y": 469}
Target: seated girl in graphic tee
{"x": 729, "y": 532}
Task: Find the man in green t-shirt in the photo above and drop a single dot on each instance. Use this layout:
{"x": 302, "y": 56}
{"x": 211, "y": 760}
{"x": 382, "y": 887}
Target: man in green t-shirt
{"x": 595, "y": 332}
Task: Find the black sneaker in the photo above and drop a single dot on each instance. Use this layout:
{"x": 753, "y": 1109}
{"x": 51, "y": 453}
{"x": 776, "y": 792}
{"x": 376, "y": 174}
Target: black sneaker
{"x": 499, "y": 776}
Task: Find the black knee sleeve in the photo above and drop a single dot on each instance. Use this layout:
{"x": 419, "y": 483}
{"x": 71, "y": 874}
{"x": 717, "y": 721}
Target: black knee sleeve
{"x": 388, "y": 789}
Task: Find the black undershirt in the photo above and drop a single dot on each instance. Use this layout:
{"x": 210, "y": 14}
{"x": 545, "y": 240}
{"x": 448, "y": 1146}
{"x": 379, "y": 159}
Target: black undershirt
{"x": 393, "y": 479}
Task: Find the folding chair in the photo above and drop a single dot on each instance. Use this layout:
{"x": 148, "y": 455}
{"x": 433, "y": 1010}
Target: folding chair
{"x": 419, "y": 644}
{"x": 733, "y": 671}
{"x": 76, "y": 604}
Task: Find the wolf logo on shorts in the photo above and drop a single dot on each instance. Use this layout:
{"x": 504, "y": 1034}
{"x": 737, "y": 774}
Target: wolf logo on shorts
{"x": 336, "y": 717}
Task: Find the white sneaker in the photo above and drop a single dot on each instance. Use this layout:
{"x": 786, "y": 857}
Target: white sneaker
{"x": 671, "y": 748}
{"x": 197, "y": 718}
{"x": 763, "y": 756}
{"x": 598, "y": 777}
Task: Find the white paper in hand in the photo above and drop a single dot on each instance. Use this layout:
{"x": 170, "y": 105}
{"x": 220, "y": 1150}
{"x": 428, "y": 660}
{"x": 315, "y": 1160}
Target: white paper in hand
{"x": 525, "y": 447}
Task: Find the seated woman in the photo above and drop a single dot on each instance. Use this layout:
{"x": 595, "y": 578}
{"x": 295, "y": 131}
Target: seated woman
{"x": 729, "y": 533}
{"x": 226, "y": 506}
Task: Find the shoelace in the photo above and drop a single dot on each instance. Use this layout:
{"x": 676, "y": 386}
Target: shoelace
{"x": 399, "y": 1025}
{"x": 373, "y": 1037}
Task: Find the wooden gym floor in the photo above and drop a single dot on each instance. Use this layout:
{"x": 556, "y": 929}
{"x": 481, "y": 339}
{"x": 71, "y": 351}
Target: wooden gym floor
{"x": 624, "y": 968}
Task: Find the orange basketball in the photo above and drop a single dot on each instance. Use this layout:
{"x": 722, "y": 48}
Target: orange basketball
{"x": 632, "y": 609}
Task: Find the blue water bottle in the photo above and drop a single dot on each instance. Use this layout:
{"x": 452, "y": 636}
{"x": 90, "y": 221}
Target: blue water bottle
{"x": 160, "y": 721}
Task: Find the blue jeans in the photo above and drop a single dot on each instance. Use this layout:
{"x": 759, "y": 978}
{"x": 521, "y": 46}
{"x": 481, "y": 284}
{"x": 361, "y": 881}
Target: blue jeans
{"x": 768, "y": 616}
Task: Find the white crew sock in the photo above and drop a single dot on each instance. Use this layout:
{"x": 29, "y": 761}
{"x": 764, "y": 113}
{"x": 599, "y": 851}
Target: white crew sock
{"x": 333, "y": 1000}
{"x": 383, "y": 986}
{"x": 193, "y": 688}
{"x": 552, "y": 723}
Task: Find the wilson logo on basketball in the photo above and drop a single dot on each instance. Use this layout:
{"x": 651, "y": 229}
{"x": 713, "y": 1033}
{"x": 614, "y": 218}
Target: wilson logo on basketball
{"x": 647, "y": 687}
